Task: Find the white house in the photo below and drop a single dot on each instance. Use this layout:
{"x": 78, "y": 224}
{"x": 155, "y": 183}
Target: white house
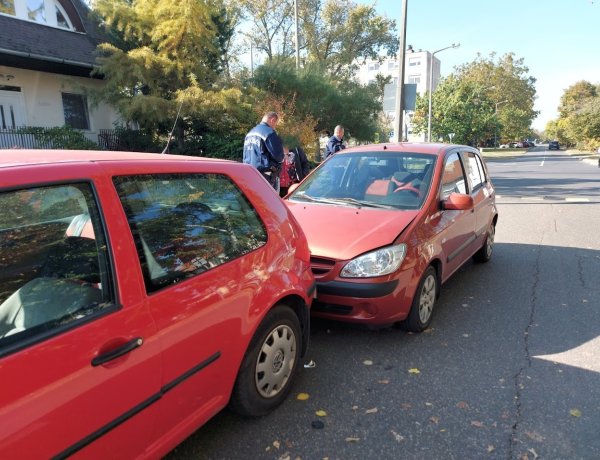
{"x": 46, "y": 57}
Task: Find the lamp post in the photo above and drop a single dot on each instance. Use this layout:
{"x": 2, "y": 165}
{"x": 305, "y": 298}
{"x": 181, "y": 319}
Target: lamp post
{"x": 399, "y": 105}
{"x": 496, "y": 116}
{"x": 453, "y": 45}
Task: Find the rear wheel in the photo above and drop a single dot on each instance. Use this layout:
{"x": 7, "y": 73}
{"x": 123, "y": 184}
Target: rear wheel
{"x": 421, "y": 309}
{"x": 270, "y": 364}
{"x": 485, "y": 253}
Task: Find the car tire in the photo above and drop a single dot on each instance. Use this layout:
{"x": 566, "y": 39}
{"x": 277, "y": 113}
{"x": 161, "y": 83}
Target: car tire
{"x": 487, "y": 250}
{"x": 421, "y": 310}
{"x": 269, "y": 366}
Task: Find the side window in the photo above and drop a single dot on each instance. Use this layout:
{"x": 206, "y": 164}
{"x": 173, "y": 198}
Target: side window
{"x": 184, "y": 225}
{"x": 53, "y": 260}
{"x": 474, "y": 172}
{"x": 481, "y": 168}
{"x": 453, "y": 178}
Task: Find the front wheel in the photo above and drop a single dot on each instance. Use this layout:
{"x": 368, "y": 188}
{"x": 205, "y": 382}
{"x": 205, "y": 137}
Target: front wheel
{"x": 270, "y": 364}
{"x": 485, "y": 253}
{"x": 421, "y": 309}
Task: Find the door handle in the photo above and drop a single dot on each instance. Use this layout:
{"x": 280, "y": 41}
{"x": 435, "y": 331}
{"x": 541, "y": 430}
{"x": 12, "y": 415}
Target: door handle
{"x": 120, "y": 351}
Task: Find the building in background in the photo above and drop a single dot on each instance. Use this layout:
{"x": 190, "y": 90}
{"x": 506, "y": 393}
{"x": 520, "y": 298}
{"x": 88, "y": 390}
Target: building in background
{"x": 47, "y": 54}
{"x": 416, "y": 71}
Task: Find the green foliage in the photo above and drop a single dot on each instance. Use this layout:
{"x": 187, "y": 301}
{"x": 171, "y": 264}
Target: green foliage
{"x": 63, "y": 137}
{"x": 470, "y": 102}
{"x": 579, "y": 120}
{"x": 324, "y": 99}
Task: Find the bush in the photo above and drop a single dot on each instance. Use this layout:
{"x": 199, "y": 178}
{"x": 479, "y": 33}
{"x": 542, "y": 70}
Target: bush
{"x": 63, "y": 137}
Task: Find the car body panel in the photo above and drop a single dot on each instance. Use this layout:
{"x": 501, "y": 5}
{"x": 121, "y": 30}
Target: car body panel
{"x": 194, "y": 334}
{"x": 434, "y": 235}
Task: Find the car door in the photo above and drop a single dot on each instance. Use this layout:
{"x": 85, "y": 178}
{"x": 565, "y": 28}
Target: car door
{"x": 78, "y": 357}
{"x": 482, "y": 193}
{"x": 456, "y": 228}
{"x": 197, "y": 237}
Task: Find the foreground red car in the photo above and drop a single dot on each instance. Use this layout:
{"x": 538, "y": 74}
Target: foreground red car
{"x": 387, "y": 224}
{"x": 139, "y": 294}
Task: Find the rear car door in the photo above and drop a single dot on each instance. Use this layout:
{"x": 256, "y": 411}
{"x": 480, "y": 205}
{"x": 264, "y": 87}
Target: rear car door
{"x": 197, "y": 239}
{"x": 78, "y": 357}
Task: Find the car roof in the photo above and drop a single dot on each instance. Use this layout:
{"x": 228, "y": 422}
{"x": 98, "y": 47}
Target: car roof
{"x": 23, "y": 157}
{"x": 430, "y": 148}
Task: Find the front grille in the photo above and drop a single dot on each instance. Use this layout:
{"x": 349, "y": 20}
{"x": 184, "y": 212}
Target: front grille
{"x": 321, "y": 266}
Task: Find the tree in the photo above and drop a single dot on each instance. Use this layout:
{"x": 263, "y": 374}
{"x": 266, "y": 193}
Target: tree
{"x": 169, "y": 58}
{"x": 467, "y": 102}
{"x": 575, "y": 96}
{"x": 322, "y": 99}
{"x": 459, "y": 107}
{"x": 335, "y": 34}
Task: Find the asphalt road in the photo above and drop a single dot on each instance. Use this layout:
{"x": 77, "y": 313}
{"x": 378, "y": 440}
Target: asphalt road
{"x": 510, "y": 368}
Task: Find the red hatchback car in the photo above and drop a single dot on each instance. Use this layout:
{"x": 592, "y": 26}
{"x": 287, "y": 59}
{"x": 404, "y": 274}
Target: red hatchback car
{"x": 139, "y": 295}
{"x": 387, "y": 224}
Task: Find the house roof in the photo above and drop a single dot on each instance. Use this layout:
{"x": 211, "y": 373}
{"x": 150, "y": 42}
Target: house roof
{"x": 29, "y": 45}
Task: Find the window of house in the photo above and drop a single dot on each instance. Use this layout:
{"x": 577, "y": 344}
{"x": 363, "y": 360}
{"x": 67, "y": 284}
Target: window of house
{"x": 414, "y": 79}
{"x": 187, "y": 224}
{"x": 392, "y": 65}
{"x": 7, "y": 7}
{"x": 414, "y": 61}
{"x": 58, "y": 273}
{"x": 374, "y": 66}
{"x": 36, "y": 11}
{"x": 48, "y": 12}
{"x": 62, "y": 18}
{"x": 76, "y": 111}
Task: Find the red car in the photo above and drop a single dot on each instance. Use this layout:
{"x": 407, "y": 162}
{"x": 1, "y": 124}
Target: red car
{"x": 387, "y": 224}
{"x": 139, "y": 295}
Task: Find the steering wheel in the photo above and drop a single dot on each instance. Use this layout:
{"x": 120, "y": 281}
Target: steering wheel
{"x": 408, "y": 187}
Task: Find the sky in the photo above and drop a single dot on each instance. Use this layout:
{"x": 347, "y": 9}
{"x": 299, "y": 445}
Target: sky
{"x": 559, "y": 40}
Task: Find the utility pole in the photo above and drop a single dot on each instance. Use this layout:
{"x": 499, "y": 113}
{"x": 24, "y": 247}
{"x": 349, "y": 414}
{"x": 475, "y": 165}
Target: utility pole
{"x": 398, "y": 122}
{"x": 297, "y": 43}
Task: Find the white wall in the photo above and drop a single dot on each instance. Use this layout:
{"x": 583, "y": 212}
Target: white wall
{"x": 42, "y": 97}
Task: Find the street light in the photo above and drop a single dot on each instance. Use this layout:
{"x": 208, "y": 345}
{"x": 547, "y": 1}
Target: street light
{"x": 453, "y": 45}
{"x": 496, "y": 116}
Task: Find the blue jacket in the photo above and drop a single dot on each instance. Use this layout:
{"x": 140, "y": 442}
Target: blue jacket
{"x": 263, "y": 148}
{"x": 334, "y": 145}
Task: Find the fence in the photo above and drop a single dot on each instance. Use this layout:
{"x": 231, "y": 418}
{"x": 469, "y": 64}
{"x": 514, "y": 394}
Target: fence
{"x": 14, "y": 138}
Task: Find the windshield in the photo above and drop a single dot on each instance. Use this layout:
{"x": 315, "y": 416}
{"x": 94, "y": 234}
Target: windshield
{"x": 370, "y": 179}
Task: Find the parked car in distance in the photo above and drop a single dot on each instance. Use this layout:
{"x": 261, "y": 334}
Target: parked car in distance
{"x": 139, "y": 295}
{"x": 387, "y": 224}
{"x": 553, "y": 145}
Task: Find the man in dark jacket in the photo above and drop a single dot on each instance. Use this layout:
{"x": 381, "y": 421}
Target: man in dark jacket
{"x": 263, "y": 149}
{"x": 335, "y": 142}
{"x": 302, "y": 164}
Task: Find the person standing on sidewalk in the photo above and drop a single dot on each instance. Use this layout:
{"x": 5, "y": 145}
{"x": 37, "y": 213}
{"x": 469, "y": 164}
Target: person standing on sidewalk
{"x": 335, "y": 142}
{"x": 263, "y": 149}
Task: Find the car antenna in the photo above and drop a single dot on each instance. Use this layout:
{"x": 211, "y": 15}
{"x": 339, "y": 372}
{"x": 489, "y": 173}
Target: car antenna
{"x": 166, "y": 149}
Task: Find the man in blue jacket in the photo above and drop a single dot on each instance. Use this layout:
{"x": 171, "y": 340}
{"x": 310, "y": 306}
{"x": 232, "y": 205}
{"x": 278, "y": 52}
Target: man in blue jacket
{"x": 335, "y": 142}
{"x": 263, "y": 149}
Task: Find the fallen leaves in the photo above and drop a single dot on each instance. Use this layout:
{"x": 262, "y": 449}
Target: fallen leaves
{"x": 414, "y": 370}
{"x": 371, "y": 411}
{"x": 575, "y": 413}
{"x": 462, "y": 405}
{"x": 477, "y": 424}
{"x": 368, "y": 362}
{"x": 534, "y": 436}
{"x": 352, "y": 439}
{"x": 397, "y": 437}
{"x": 302, "y": 396}
{"x": 321, "y": 413}
{"x": 434, "y": 419}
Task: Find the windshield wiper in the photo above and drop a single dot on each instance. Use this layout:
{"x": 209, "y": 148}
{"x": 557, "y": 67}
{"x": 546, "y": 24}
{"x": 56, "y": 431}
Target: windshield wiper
{"x": 306, "y": 197}
{"x": 361, "y": 203}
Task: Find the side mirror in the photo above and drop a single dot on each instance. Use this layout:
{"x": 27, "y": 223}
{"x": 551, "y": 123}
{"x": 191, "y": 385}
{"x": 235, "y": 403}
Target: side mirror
{"x": 458, "y": 202}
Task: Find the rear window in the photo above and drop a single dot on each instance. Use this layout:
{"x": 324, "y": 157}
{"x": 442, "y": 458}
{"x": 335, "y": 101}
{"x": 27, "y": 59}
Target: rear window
{"x": 184, "y": 225}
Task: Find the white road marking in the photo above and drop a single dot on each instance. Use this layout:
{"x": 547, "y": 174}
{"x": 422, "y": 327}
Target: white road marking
{"x": 578, "y": 200}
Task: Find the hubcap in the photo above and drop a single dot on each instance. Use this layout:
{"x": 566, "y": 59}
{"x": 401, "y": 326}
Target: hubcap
{"x": 427, "y": 299}
{"x": 275, "y": 361}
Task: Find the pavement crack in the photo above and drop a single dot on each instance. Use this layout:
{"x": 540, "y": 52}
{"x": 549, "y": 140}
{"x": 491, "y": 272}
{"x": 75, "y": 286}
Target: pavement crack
{"x": 519, "y": 376}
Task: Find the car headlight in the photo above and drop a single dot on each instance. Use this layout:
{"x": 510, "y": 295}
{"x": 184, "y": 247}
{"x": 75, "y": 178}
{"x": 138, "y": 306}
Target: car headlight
{"x": 377, "y": 263}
